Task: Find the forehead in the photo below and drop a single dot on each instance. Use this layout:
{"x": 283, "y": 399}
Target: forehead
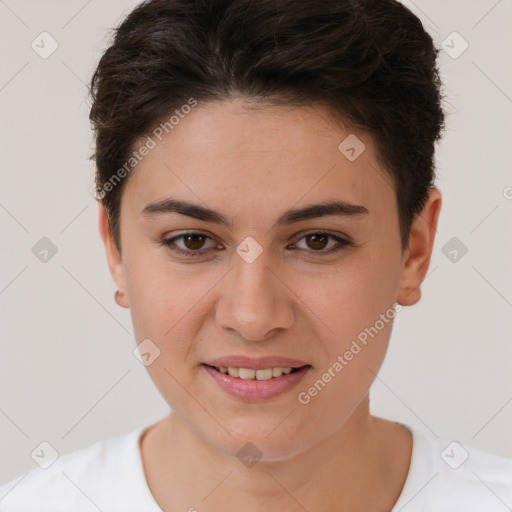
{"x": 234, "y": 153}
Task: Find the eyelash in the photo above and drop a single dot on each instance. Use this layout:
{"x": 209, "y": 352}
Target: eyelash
{"x": 170, "y": 242}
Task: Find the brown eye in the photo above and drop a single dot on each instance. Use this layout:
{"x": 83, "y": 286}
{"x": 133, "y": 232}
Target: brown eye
{"x": 191, "y": 244}
{"x": 194, "y": 241}
{"x": 319, "y": 242}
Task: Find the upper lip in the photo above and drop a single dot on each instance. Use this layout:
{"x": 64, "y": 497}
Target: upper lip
{"x": 256, "y": 363}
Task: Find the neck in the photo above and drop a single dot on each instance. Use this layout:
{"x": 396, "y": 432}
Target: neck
{"x": 356, "y": 467}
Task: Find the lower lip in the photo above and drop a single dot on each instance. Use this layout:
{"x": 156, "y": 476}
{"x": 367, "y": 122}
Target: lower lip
{"x": 255, "y": 390}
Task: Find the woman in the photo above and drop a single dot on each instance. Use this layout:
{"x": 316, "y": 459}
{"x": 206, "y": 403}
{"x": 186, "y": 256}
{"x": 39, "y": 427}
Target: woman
{"x": 266, "y": 195}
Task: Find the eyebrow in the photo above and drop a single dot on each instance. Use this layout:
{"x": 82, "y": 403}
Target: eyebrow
{"x": 338, "y": 208}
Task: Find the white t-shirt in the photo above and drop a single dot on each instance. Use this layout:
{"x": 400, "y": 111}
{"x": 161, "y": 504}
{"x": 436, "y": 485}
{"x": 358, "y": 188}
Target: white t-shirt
{"x": 109, "y": 476}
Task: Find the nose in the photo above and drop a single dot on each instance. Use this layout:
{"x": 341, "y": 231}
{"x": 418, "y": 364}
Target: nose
{"x": 255, "y": 302}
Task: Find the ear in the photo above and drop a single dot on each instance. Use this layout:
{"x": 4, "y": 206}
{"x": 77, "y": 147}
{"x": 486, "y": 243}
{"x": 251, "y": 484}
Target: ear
{"x": 416, "y": 258}
{"x": 114, "y": 260}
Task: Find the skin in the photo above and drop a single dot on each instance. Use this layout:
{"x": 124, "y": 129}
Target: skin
{"x": 251, "y": 165}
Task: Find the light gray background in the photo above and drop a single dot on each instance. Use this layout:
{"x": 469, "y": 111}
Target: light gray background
{"x": 68, "y": 374}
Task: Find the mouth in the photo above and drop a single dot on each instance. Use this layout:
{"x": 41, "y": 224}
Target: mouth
{"x": 252, "y": 374}
{"x": 256, "y": 384}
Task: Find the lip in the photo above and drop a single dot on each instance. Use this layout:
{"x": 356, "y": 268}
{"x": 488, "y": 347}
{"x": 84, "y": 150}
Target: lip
{"x": 256, "y": 363}
{"x": 256, "y": 390}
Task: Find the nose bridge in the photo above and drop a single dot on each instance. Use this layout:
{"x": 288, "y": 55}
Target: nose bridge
{"x": 254, "y": 302}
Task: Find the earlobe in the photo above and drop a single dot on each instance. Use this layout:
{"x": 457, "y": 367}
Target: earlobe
{"x": 419, "y": 251}
{"x": 113, "y": 254}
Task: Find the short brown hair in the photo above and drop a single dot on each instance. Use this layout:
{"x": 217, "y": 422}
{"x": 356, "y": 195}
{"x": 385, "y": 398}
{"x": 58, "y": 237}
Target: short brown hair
{"x": 370, "y": 61}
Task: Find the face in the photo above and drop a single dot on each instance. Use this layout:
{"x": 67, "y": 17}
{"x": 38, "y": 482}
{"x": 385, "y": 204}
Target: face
{"x": 256, "y": 286}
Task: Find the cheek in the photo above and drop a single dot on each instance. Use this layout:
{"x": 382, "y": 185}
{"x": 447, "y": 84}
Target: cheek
{"x": 166, "y": 308}
{"x": 355, "y": 354}
{"x": 159, "y": 296}
{"x": 169, "y": 305}
{"x": 356, "y": 304}
{"x": 354, "y": 295}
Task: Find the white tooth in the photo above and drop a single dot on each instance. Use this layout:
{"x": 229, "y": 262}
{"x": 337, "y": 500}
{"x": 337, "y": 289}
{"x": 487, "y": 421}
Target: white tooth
{"x": 287, "y": 370}
{"x": 265, "y": 374}
{"x": 246, "y": 373}
{"x": 277, "y": 372}
{"x": 233, "y": 371}
{"x": 223, "y": 369}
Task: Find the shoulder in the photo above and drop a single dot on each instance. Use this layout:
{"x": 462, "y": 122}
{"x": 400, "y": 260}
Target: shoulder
{"x": 447, "y": 475}
{"x": 105, "y": 474}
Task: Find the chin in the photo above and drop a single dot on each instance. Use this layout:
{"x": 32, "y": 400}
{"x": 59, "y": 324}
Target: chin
{"x": 262, "y": 441}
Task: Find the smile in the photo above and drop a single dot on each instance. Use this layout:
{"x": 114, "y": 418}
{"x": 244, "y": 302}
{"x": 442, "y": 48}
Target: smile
{"x": 250, "y": 374}
{"x": 252, "y": 385}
